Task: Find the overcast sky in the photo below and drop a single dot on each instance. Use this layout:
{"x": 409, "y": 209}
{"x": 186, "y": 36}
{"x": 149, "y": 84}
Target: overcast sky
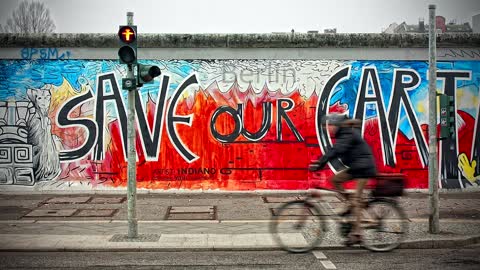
{"x": 244, "y": 16}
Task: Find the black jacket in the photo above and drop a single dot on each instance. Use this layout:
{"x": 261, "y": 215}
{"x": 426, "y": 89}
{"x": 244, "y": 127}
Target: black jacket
{"x": 353, "y": 150}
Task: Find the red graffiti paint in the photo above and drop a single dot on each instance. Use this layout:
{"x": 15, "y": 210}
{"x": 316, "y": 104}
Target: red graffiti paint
{"x": 269, "y": 163}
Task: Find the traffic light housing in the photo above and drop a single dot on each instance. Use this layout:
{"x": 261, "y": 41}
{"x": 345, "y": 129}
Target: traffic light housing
{"x": 146, "y": 73}
{"x": 447, "y": 117}
{"x": 127, "y": 34}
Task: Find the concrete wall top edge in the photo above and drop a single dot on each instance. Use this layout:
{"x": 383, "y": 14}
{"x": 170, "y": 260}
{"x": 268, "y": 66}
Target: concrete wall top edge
{"x": 297, "y": 40}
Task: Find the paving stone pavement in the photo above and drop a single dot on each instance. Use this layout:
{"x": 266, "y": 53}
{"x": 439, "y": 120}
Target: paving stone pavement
{"x": 241, "y": 221}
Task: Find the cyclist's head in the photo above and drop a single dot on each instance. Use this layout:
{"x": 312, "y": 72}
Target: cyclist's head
{"x": 335, "y": 119}
{"x": 340, "y": 120}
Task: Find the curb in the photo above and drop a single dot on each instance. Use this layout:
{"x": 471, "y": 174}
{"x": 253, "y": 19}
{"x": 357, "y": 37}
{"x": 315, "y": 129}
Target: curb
{"x": 441, "y": 243}
{"x": 420, "y": 244}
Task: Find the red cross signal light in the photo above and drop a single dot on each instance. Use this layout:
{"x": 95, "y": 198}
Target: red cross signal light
{"x": 127, "y": 54}
{"x": 127, "y": 34}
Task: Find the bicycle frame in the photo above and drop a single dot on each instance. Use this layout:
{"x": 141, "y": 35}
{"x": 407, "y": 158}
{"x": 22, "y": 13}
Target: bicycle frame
{"x": 338, "y": 217}
{"x": 317, "y": 210}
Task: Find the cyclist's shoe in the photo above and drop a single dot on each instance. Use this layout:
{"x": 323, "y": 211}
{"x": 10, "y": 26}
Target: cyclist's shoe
{"x": 343, "y": 195}
{"x": 346, "y": 212}
{"x": 316, "y": 193}
{"x": 353, "y": 239}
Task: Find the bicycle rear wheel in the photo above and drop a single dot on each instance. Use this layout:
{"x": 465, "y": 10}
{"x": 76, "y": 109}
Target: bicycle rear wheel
{"x": 384, "y": 224}
{"x": 297, "y": 226}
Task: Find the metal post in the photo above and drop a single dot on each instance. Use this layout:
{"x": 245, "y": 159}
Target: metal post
{"x": 433, "y": 219}
{"x": 132, "y": 155}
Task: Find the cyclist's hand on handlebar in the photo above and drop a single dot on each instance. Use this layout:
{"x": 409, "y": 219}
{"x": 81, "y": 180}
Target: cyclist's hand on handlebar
{"x": 316, "y": 165}
{"x": 313, "y": 167}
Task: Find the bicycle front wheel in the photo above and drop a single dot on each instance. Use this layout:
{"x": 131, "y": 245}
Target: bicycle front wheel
{"x": 384, "y": 224}
{"x": 297, "y": 226}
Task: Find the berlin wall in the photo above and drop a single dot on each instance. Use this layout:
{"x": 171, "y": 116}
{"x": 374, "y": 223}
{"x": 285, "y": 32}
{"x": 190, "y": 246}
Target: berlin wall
{"x": 231, "y": 112}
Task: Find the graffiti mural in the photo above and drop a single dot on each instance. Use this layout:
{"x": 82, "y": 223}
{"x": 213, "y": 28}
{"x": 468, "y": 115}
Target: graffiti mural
{"x": 46, "y": 164}
{"x": 228, "y": 124}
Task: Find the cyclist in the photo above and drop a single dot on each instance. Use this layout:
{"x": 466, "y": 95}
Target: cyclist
{"x": 356, "y": 155}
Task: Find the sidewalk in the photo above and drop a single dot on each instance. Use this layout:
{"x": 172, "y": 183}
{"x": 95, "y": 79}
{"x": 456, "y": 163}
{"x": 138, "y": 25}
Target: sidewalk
{"x": 199, "y": 221}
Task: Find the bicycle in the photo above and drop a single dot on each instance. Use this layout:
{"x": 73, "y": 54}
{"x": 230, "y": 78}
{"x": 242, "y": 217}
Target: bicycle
{"x": 377, "y": 223}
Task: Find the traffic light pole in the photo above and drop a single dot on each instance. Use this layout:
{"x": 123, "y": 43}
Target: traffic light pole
{"x": 132, "y": 155}
{"x": 433, "y": 219}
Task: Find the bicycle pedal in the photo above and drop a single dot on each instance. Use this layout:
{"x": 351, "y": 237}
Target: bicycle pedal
{"x": 298, "y": 226}
{"x": 345, "y": 213}
{"x": 349, "y": 242}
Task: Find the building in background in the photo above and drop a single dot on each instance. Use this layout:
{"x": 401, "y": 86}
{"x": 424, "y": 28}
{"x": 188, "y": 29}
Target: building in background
{"x": 310, "y": 32}
{"x": 390, "y": 29}
{"x": 476, "y": 23}
{"x": 330, "y": 31}
{"x": 421, "y": 27}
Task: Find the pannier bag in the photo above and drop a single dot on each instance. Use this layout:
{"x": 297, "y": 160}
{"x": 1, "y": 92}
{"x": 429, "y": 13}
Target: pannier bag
{"x": 389, "y": 185}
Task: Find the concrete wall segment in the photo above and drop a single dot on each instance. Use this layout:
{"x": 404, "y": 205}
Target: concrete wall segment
{"x": 300, "y": 40}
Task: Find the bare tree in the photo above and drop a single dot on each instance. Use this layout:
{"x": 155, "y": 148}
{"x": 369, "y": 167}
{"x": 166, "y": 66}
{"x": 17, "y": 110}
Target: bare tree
{"x": 30, "y": 17}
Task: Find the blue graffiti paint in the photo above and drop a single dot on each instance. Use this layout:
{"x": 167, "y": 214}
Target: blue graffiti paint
{"x": 44, "y": 54}
{"x": 16, "y": 76}
{"x": 348, "y": 89}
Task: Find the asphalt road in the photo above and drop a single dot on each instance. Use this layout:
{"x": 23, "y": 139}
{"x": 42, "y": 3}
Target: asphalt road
{"x": 465, "y": 258}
